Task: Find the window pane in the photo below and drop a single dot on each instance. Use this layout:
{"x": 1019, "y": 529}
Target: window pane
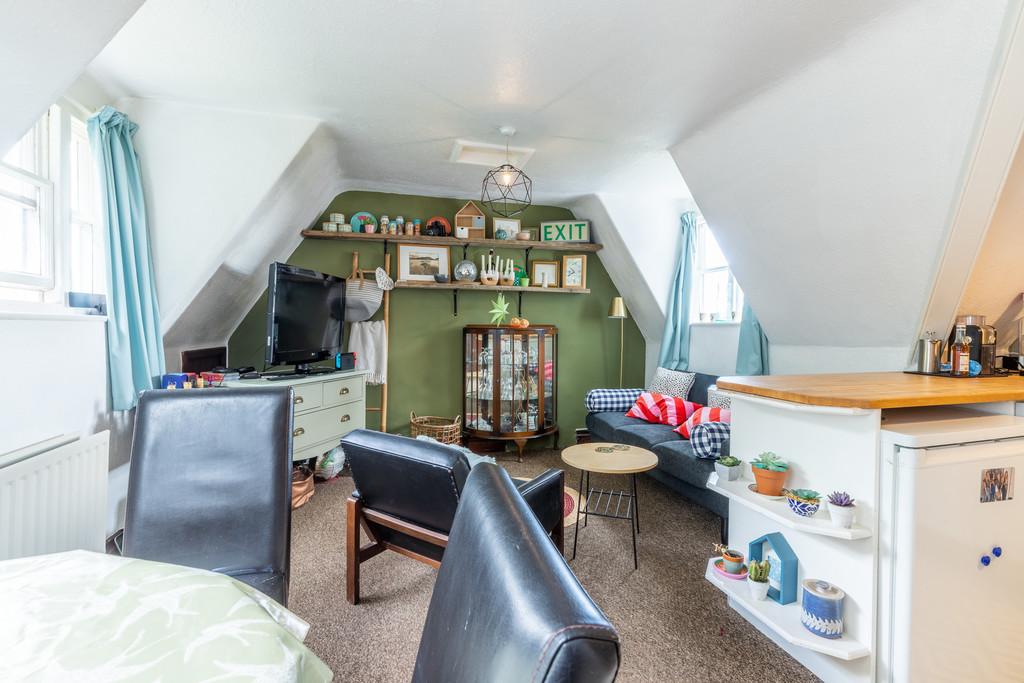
{"x": 713, "y": 256}
{"x": 82, "y": 186}
{"x": 20, "y": 227}
{"x": 85, "y": 251}
{"x": 18, "y": 294}
{"x": 715, "y": 294}
{"x": 25, "y": 154}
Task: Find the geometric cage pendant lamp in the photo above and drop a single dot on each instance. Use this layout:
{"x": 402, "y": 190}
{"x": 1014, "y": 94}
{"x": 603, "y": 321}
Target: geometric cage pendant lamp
{"x": 506, "y": 190}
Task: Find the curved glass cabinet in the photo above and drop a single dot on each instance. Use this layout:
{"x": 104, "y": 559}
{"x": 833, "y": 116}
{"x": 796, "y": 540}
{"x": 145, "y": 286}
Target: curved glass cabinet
{"x": 510, "y": 382}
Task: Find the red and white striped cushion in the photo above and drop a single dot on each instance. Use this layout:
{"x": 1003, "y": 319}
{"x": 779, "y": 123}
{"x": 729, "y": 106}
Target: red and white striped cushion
{"x": 662, "y": 409}
{"x": 704, "y": 415}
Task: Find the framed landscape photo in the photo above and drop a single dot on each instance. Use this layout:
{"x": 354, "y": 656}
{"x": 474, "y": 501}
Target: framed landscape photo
{"x": 421, "y": 262}
{"x": 505, "y": 228}
{"x": 574, "y": 271}
{"x": 544, "y": 273}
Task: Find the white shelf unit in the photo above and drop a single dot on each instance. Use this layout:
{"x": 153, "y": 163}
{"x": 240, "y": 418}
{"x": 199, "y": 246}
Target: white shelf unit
{"x": 784, "y": 620}
{"x": 778, "y": 510}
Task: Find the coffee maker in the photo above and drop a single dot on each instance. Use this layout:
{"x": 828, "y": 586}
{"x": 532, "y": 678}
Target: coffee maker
{"x": 983, "y": 341}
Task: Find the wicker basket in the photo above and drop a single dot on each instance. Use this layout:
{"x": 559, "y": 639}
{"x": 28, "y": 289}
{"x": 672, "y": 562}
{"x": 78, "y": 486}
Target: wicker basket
{"x": 443, "y": 429}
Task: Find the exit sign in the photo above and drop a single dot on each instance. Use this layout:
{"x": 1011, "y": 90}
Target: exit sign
{"x": 565, "y": 231}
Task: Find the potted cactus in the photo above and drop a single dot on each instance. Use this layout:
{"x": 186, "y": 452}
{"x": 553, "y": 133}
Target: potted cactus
{"x": 728, "y": 468}
{"x": 841, "y": 508}
{"x": 769, "y": 473}
{"x": 757, "y": 579}
{"x": 804, "y": 502}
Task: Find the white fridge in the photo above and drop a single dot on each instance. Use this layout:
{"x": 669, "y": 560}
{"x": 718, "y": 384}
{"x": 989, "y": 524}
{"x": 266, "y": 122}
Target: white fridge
{"x": 951, "y": 547}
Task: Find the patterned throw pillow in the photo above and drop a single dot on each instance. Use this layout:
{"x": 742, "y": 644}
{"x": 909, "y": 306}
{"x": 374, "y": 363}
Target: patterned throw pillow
{"x": 707, "y": 439}
{"x": 611, "y": 400}
{"x": 704, "y": 415}
{"x": 717, "y": 399}
{"x": 662, "y": 409}
{"x": 672, "y": 382}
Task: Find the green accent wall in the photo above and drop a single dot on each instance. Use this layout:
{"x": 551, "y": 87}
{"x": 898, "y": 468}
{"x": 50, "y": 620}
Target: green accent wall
{"x": 424, "y": 369}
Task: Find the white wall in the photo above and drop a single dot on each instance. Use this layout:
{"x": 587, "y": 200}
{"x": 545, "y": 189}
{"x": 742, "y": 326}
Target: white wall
{"x": 831, "y": 193}
{"x": 713, "y": 348}
{"x": 44, "y": 46}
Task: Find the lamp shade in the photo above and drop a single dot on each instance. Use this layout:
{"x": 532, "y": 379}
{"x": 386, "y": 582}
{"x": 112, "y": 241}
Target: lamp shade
{"x": 617, "y": 309}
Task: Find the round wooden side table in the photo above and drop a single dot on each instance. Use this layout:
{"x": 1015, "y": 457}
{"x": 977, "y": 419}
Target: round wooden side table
{"x": 609, "y": 458}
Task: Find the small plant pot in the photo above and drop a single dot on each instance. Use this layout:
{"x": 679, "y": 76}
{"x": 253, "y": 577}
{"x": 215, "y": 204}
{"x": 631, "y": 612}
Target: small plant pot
{"x": 728, "y": 473}
{"x": 804, "y": 508}
{"x": 842, "y": 517}
{"x": 769, "y": 482}
{"x": 733, "y": 563}
{"x": 758, "y": 589}
{"x": 524, "y": 282}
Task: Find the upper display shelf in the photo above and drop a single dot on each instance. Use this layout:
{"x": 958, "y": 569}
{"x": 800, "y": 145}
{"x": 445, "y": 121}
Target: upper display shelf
{"x": 578, "y": 247}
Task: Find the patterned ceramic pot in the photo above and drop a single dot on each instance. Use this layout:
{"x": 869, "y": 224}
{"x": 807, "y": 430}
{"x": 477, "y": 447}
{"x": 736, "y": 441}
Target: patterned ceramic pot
{"x": 804, "y": 508}
{"x": 821, "y": 610}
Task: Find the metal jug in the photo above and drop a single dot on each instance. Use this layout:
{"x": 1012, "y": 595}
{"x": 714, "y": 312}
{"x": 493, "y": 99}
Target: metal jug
{"x": 929, "y": 355}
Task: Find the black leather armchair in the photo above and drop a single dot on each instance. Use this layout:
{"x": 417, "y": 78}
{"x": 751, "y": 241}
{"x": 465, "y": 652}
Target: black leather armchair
{"x": 506, "y": 611}
{"x": 209, "y": 484}
{"x": 407, "y": 492}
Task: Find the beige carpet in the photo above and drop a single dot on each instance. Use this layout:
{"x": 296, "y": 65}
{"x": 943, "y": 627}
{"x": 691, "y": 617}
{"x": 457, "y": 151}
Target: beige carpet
{"x": 674, "y": 625}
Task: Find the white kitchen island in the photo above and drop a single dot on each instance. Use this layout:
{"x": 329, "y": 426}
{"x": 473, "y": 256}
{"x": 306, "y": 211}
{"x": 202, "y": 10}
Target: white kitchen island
{"x": 846, "y": 432}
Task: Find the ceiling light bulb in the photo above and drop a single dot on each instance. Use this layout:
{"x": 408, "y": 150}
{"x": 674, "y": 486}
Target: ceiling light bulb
{"x": 506, "y": 178}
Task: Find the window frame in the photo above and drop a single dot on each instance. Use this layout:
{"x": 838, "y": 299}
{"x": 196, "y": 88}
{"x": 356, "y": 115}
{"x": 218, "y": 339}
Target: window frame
{"x": 735, "y": 293}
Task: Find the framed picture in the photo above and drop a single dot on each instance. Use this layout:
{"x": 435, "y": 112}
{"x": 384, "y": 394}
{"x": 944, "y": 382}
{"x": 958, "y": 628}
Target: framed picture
{"x": 544, "y": 273}
{"x": 782, "y": 567}
{"x": 565, "y": 231}
{"x": 574, "y": 271}
{"x": 421, "y": 262}
{"x": 505, "y": 228}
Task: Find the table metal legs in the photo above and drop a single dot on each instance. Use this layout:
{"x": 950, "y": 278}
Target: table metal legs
{"x": 632, "y": 512}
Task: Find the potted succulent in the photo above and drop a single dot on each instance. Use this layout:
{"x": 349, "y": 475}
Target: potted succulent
{"x": 769, "y": 473}
{"x": 757, "y": 579}
{"x": 732, "y": 560}
{"x": 841, "y": 508}
{"x": 804, "y": 502}
{"x": 728, "y": 467}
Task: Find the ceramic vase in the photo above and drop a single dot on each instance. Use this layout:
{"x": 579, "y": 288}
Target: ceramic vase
{"x": 842, "y": 517}
{"x": 821, "y": 610}
{"x": 804, "y": 508}
{"x": 758, "y": 589}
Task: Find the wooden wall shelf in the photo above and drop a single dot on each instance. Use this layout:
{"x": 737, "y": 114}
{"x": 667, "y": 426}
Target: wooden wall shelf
{"x": 579, "y": 247}
{"x": 459, "y": 286}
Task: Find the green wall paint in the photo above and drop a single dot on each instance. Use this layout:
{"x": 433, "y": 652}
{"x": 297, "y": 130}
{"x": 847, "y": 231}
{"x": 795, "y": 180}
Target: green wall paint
{"x": 424, "y": 369}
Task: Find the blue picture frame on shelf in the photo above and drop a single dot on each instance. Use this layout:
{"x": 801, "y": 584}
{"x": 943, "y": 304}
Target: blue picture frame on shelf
{"x": 782, "y": 576}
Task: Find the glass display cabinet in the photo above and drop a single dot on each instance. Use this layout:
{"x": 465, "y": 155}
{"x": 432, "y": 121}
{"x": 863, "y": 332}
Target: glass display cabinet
{"x": 510, "y": 381}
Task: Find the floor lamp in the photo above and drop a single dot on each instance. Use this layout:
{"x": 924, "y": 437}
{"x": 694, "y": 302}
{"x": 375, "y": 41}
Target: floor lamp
{"x": 618, "y": 311}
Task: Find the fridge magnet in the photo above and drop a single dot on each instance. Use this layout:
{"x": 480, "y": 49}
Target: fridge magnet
{"x": 783, "y": 565}
{"x": 821, "y": 610}
{"x": 997, "y": 484}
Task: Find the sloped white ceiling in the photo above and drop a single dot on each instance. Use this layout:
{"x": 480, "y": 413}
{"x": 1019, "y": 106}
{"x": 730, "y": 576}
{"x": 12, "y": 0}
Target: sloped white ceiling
{"x": 832, "y": 191}
{"x": 44, "y": 46}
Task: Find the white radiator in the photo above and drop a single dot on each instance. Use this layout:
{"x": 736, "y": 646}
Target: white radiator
{"x": 53, "y": 497}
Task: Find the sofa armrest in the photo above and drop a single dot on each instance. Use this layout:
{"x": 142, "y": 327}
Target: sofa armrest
{"x": 545, "y": 496}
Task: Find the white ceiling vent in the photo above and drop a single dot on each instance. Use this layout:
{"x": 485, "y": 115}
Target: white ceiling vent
{"x": 486, "y": 154}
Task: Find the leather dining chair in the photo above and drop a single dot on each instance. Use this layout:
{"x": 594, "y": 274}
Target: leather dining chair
{"x": 209, "y": 484}
{"x": 506, "y": 607}
{"x": 407, "y": 492}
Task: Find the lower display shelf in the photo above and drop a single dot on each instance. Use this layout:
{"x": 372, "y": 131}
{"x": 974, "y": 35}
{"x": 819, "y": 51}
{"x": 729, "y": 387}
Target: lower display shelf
{"x": 784, "y": 620}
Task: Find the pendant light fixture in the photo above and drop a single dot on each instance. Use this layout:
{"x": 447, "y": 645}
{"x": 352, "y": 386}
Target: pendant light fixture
{"x": 507, "y": 191}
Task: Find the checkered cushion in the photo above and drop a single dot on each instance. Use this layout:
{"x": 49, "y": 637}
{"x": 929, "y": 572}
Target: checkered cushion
{"x": 707, "y": 439}
{"x": 611, "y": 400}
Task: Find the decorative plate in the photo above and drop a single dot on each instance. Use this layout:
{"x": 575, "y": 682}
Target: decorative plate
{"x": 735, "y": 577}
{"x": 443, "y": 221}
{"x": 360, "y": 219}
{"x": 753, "y": 487}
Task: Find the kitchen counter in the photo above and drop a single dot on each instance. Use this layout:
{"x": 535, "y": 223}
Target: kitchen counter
{"x": 877, "y": 390}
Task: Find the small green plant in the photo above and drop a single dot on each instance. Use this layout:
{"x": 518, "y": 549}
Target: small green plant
{"x": 806, "y": 495}
{"x": 729, "y": 461}
{"x": 758, "y": 571}
{"x": 841, "y": 499}
{"x": 769, "y": 461}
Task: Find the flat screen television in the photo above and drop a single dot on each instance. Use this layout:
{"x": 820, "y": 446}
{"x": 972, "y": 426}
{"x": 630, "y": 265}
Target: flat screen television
{"x": 305, "y": 317}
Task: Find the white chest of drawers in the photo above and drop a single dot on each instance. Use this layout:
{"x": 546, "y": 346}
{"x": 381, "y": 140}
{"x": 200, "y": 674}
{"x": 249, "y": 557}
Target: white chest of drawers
{"x": 326, "y": 408}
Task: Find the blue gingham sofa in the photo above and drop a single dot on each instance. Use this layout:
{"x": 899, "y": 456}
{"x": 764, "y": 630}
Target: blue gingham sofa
{"x": 678, "y": 468}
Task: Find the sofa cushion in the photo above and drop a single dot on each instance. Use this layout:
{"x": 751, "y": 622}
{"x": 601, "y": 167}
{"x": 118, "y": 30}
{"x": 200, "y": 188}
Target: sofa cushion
{"x": 662, "y": 409}
{"x": 602, "y": 426}
{"x": 611, "y": 400}
{"x": 703, "y": 415}
{"x": 677, "y": 458}
{"x": 645, "y": 435}
{"x": 699, "y": 390}
{"x": 672, "y": 382}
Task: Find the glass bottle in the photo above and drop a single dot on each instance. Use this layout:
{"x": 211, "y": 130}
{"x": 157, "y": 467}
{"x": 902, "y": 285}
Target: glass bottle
{"x": 960, "y": 352}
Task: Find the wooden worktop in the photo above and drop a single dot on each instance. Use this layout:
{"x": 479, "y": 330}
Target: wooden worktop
{"x": 877, "y": 389}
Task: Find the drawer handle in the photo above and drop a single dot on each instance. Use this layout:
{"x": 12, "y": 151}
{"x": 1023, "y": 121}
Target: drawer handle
{"x": 299, "y": 432}
{"x": 344, "y": 390}
{"x": 299, "y": 399}
{"x": 345, "y": 418}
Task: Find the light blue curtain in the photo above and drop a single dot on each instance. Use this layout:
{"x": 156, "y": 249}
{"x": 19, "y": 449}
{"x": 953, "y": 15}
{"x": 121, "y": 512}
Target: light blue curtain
{"x": 752, "y": 354}
{"x": 675, "y": 343}
{"x": 135, "y": 347}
